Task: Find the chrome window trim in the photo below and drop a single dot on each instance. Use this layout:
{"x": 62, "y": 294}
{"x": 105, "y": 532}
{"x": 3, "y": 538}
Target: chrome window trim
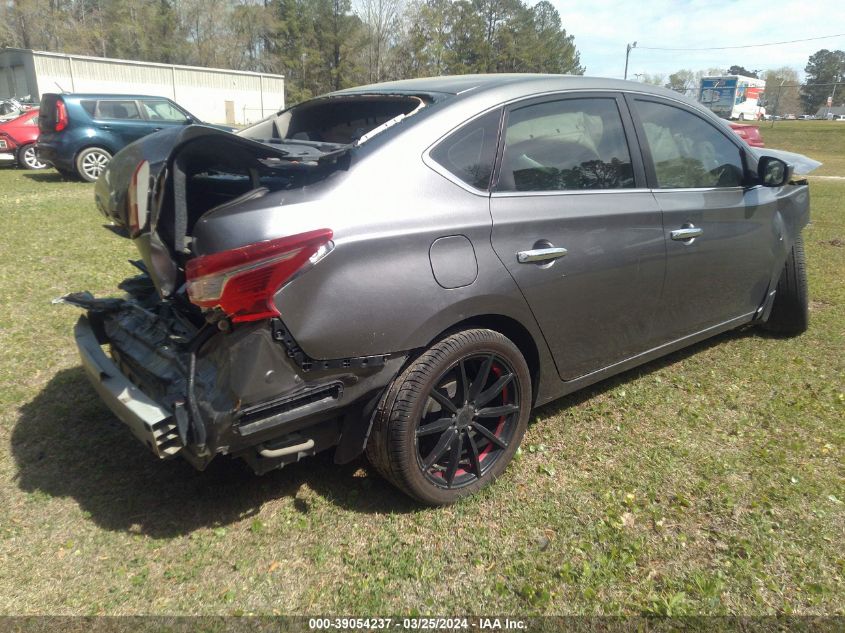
{"x": 697, "y": 189}
{"x": 486, "y": 193}
{"x": 448, "y": 175}
{"x": 577, "y": 192}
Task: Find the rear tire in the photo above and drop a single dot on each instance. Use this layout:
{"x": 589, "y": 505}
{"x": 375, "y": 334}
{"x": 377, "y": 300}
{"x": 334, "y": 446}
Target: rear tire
{"x": 91, "y": 162}
{"x": 452, "y": 421}
{"x": 28, "y": 159}
{"x": 790, "y": 314}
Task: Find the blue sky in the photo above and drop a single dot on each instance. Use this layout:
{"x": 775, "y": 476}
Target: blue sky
{"x": 602, "y": 28}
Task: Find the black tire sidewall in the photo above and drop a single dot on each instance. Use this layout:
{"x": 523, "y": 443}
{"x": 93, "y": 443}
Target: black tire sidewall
{"x": 404, "y": 422}
{"x": 790, "y": 311}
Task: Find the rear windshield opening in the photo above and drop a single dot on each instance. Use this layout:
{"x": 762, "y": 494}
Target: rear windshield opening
{"x": 336, "y": 120}
{"x": 217, "y": 169}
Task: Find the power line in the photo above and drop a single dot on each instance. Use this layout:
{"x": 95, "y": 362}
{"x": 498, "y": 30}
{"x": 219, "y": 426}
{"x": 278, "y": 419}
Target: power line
{"x": 724, "y": 48}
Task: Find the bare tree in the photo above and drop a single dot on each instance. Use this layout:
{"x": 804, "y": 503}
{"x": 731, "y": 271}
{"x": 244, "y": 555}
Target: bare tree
{"x": 381, "y": 22}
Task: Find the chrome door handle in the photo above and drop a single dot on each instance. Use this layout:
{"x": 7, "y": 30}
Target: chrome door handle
{"x": 540, "y": 255}
{"x": 687, "y": 233}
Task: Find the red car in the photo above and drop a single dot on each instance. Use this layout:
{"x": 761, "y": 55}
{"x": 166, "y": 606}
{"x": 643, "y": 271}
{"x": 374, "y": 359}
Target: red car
{"x": 17, "y": 141}
{"x": 749, "y": 133}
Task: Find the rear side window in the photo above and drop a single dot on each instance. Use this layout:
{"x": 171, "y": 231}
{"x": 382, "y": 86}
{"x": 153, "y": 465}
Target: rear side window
{"x": 688, "y": 152}
{"x": 163, "y": 110}
{"x": 566, "y": 145}
{"x": 470, "y": 152}
{"x": 89, "y": 106}
{"x": 47, "y": 112}
{"x": 117, "y": 110}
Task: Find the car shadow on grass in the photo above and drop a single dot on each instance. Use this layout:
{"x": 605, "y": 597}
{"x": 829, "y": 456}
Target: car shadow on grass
{"x": 582, "y": 395}
{"x": 49, "y": 175}
{"x": 66, "y": 443}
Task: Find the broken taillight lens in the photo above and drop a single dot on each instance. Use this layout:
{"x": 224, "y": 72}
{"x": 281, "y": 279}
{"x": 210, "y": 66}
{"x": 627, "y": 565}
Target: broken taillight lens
{"x": 137, "y": 198}
{"x": 242, "y": 281}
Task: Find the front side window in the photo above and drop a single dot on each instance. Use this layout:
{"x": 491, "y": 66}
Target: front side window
{"x": 117, "y": 110}
{"x": 163, "y": 111}
{"x": 687, "y": 151}
{"x": 469, "y": 153}
{"x": 567, "y": 145}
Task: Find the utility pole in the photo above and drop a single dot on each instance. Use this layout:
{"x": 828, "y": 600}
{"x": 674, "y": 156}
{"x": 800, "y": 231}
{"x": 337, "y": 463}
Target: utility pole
{"x": 777, "y": 100}
{"x": 627, "y": 55}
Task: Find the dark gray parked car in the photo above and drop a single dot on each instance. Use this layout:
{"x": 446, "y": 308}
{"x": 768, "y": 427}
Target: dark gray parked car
{"x": 409, "y": 268}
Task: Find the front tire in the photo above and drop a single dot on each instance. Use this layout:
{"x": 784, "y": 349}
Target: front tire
{"x": 790, "y": 315}
{"x": 452, "y": 421}
{"x": 28, "y": 159}
{"x": 91, "y": 162}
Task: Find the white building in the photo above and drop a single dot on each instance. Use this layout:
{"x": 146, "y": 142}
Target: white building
{"x": 214, "y": 95}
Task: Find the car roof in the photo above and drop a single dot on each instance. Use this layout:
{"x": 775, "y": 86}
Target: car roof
{"x": 85, "y": 95}
{"x": 459, "y": 84}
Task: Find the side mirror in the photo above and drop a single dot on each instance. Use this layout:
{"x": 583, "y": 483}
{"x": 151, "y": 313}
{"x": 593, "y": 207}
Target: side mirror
{"x": 773, "y": 171}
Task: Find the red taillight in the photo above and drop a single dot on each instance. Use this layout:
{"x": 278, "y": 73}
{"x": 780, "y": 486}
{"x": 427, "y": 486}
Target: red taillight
{"x": 242, "y": 281}
{"x": 61, "y": 115}
{"x": 137, "y": 198}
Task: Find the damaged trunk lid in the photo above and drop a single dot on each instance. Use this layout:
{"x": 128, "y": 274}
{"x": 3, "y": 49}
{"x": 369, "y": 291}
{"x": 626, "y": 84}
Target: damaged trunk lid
{"x": 158, "y": 189}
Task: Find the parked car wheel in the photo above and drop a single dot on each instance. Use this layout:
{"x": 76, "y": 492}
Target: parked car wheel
{"x": 28, "y": 159}
{"x": 452, "y": 421}
{"x": 790, "y": 314}
{"x": 91, "y": 162}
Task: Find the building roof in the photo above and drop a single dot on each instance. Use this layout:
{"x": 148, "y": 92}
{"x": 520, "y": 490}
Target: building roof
{"x": 134, "y": 62}
{"x": 834, "y": 110}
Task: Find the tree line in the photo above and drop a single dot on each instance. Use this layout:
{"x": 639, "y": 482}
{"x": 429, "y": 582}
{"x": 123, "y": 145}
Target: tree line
{"x": 319, "y": 45}
{"x": 323, "y": 45}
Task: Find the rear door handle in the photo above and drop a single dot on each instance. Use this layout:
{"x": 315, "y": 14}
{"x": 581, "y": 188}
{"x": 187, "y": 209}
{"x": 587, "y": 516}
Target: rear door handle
{"x": 687, "y": 233}
{"x": 540, "y": 255}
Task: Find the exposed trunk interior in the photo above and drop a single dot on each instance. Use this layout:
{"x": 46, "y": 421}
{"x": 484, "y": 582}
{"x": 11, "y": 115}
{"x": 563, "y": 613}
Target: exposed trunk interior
{"x": 338, "y": 120}
{"x": 300, "y": 146}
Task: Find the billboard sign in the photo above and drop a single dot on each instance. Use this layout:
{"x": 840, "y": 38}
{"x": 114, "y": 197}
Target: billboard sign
{"x": 717, "y": 93}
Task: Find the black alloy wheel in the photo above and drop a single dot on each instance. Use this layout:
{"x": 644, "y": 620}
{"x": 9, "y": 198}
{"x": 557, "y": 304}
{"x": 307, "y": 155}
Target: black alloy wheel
{"x": 452, "y": 421}
{"x": 468, "y": 421}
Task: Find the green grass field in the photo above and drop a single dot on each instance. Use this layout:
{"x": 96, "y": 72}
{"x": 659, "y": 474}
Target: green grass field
{"x": 709, "y": 482}
{"x": 822, "y": 140}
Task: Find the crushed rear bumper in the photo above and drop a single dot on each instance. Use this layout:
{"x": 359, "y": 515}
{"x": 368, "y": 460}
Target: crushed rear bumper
{"x": 149, "y": 422}
{"x": 248, "y": 392}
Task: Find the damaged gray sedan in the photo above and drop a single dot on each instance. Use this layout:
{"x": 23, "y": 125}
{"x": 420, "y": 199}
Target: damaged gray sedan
{"x": 407, "y": 269}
